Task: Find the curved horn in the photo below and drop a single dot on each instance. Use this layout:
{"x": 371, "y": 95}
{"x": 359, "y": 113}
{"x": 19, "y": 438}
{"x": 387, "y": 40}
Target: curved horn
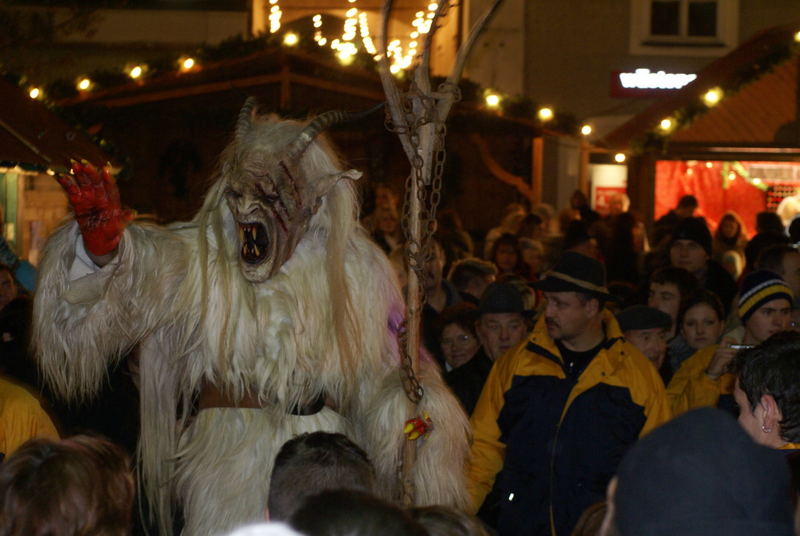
{"x": 320, "y": 123}
{"x": 313, "y": 129}
{"x": 245, "y": 116}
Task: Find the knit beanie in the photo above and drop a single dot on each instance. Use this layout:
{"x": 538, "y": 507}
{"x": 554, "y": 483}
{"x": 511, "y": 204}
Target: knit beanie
{"x": 758, "y": 288}
{"x": 694, "y": 229}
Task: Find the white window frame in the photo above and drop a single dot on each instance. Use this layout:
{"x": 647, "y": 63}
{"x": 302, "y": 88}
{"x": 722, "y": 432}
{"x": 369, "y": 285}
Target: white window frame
{"x": 643, "y": 43}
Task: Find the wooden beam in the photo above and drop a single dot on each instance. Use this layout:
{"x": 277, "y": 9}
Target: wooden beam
{"x": 537, "y": 154}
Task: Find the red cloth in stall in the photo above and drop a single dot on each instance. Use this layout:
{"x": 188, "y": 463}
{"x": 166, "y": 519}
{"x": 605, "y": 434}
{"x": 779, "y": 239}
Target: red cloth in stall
{"x": 675, "y": 178}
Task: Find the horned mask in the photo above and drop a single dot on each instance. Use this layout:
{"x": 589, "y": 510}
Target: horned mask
{"x": 274, "y": 189}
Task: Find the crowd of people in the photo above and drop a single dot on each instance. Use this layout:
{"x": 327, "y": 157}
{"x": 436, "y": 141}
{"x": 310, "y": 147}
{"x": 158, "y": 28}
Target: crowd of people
{"x": 600, "y": 368}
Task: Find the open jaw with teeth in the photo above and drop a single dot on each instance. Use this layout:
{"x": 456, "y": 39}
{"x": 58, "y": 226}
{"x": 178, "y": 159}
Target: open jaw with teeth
{"x": 254, "y": 242}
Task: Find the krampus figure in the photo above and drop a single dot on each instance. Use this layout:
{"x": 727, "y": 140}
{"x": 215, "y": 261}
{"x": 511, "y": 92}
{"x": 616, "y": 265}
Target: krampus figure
{"x": 271, "y": 311}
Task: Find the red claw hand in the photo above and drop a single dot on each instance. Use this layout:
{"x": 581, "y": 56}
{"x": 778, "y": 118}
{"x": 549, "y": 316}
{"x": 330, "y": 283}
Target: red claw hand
{"x": 94, "y": 197}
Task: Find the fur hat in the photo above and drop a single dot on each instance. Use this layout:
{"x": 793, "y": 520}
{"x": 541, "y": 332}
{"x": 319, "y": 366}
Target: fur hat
{"x": 694, "y": 229}
{"x": 577, "y": 273}
{"x": 643, "y": 317}
{"x": 759, "y": 288}
{"x": 701, "y": 475}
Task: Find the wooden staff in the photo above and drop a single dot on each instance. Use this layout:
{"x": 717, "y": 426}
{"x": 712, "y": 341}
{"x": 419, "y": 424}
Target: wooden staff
{"x": 420, "y": 135}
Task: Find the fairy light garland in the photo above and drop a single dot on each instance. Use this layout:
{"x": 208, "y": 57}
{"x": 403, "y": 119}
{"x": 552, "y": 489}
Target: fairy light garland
{"x": 274, "y": 17}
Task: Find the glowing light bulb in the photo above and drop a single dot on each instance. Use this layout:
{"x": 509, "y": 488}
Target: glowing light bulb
{"x": 136, "y": 72}
{"x": 712, "y": 96}
{"x": 35, "y": 92}
{"x": 290, "y": 39}
{"x": 545, "y": 114}
{"x": 797, "y": 37}
{"x": 433, "y": 6}
{"x": 345, "y": 58}
{"x": 709, "y": 165}
{"x": 619, "y": 158}
{"x": 666, "y": 124}
{"x": 492, "y": 100}
{"x": 187, "y": 63}
{"x": 84, "y": 84}
{"x": 756, "y": 180}
{"x": 352, "y": 12}
{"x": 586, "y": 130}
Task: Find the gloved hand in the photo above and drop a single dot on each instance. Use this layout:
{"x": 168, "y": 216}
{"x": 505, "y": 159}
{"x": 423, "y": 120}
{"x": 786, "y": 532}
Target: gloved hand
{"x": 94, "y": 197}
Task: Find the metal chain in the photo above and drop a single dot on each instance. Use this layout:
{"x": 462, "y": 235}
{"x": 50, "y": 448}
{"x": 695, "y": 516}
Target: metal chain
{"x": 429, "y": 195}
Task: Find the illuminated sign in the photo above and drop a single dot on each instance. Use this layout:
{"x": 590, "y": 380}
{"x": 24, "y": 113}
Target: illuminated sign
{"x": 646, "y": 83}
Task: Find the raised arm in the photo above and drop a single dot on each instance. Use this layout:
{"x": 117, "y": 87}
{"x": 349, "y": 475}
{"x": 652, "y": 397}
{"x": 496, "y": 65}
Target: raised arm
{"x": 101, "y": 287}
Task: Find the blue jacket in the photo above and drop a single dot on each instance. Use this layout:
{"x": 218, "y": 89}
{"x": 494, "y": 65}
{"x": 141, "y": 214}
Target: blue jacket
{"x": 545, "y": 447}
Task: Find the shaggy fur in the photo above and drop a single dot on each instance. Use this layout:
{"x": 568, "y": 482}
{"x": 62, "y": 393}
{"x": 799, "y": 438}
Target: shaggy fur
{"x": 321, "y": 324}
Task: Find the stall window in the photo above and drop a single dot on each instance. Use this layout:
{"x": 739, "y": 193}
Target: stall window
{"x": 684, "y": 27}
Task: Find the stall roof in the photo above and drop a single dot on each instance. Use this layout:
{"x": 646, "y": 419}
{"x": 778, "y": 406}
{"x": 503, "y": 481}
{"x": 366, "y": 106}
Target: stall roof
{"x": 752, "y": 117}
{"x": 267, "y": 67}
{"x": 32, "y": 135}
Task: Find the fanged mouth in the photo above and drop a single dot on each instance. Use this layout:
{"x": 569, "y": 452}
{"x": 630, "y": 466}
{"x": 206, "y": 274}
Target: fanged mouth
{"x": 254, "y": 240}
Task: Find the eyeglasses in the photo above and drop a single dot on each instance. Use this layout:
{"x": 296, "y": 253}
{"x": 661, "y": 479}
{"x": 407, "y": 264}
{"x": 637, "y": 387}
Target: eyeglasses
{"x": 459, "y": 339}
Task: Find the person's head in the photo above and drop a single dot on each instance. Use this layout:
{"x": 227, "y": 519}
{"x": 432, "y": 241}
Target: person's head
{"x": 618, "y": 203}
{"x": 446, "y": 521}
{"x": 547, "y": 214}
{"x": 794, "y": 229}
{"x": 506, "y": 254}
{"x": 768, "y": 390}
{"x": 532, "y": 253}
{"x": 757, "y": 244}
{"x": 668, "y": 288}
{"x": 385, "y": 197}
{"x": 352, "y": 513}
{"x": 701, "y": 318}
{"x": 311, "y": 463}
{"x": 579, "y": 239}
{"x": 578, "y": 200}
{"x": 79, "y": 485}
{"x": 8, "y": 287}
{"x": 512, "y": 218}
{"x": 784, "y": 260}
{"x": 647, "y": 329}
{"x": 502, "y": 321}
{"x": 730, "y": 228}
{"x": 686, "y": 206}
{"x": 387, "y": 220}
{"x": 530, "y": 227}
{"x": 701, "y": 475}
{"x": 472, "y": 276}
{"x": 769, "y": 222}
{"x": 458, "y": 339}
{"x": 691, "y": 245}
{"x": 576, "y": 292}
{"x": 765, "y": 306}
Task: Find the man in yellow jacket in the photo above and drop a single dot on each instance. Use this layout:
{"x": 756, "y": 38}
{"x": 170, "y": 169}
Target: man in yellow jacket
{"x": 560, "y": 409}
{"x": 764, "y": 307}
{"x": 21, "y": 418}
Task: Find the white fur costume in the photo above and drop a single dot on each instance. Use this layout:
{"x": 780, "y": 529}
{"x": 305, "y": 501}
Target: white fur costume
{"x": 319, "y": 325}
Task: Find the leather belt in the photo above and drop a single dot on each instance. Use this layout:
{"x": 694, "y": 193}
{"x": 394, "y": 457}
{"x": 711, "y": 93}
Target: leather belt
{"x": 212, "y": 397}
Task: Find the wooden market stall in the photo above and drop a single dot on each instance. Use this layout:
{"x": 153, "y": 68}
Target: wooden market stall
{"x": 731, "y": 138}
